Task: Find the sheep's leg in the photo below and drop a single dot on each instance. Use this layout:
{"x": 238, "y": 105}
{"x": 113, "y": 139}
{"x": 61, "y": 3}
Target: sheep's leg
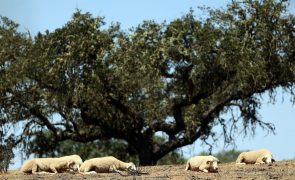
{"x": 43, "y": 172}
{"x": 53, "y": 169}
{"x": 240, "y": 160}
{"x": 187, "y": 166}
{"x": 203, "y": 168}
{"x": 119, "y": 172}
{"x": 112, "y": 168}
{"x": 260, "y": 160}
{"x": 86, "y": 170}
{"x": 90, "y": 172}
{"x": 115, "y": 170}
{"x": 240, "y": 163}
{"x": 34, "y": 169}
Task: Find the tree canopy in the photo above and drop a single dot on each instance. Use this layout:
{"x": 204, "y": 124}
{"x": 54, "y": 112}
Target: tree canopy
{"x": 87, "y": 81}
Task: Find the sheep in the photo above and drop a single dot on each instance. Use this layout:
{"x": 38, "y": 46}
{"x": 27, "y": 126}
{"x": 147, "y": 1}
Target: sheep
{"x": 262, "y": 156}
{"x": 105, "y": 165}
{"x": 75, "y": 160}
{"x": 202, "y": 163}
{"x": 54, "y": 165}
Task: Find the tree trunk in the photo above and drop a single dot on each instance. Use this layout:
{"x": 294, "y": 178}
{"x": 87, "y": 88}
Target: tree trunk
{"x": 146, "y": 155}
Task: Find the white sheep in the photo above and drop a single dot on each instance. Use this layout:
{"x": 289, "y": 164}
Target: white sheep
{"x": 75, "y": 161}
{"x": 262, "y": 156}
{"x": 52, "y": 165}
{"x": 202, "y": 163}
{"x": 105, "y": 165}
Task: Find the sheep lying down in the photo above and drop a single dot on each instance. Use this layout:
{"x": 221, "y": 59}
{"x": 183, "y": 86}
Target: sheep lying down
{"x": 52, "y": 165}
{"x": 105, "y": 165}
{"x": 262, "y": 156}
{"x": 202, "y": 163}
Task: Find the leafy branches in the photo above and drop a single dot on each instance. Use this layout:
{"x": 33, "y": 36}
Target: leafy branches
{"x": 86, "y": 82}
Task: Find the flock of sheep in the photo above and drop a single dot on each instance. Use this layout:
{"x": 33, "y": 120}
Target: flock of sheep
{"x": 210, "y": 163}
{"x": 74, "y": 163}
{"x": 107, "y": 164}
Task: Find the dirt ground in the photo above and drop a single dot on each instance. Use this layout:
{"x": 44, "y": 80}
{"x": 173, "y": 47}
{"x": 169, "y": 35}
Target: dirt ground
{"x": 278, "y": 170}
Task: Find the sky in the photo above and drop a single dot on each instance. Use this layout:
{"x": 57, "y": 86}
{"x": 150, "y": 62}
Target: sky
{"x": 39, "y": 15}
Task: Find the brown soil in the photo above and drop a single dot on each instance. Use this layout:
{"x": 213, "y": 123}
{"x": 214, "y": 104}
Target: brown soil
{"x": 278, "y": 170}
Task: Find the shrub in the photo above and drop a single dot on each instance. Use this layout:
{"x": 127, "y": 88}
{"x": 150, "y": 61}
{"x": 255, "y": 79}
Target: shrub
{"x": 6, "y": 154}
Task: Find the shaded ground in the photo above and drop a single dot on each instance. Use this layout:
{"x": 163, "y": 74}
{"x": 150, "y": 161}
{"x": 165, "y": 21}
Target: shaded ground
{"x": 278, "y": 170}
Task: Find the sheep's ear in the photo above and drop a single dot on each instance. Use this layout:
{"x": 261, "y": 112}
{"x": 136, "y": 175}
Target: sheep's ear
{"x": 273, "y": 160}
{"x": 217, "y": 160}
{"x": 131, "y": 164}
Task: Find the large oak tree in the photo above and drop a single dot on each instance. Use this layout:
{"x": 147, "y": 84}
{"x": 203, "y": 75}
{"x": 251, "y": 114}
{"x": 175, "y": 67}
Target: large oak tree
{"x": 86, "y": 81}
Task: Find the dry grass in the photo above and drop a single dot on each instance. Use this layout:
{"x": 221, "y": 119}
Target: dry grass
{"x": 278, "y": 170}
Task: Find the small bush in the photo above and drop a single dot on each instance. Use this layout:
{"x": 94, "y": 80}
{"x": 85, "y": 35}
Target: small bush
{"x": 6, "y": 155}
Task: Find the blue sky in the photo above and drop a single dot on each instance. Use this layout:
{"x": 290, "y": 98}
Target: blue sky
{"x": 39, "y": 15}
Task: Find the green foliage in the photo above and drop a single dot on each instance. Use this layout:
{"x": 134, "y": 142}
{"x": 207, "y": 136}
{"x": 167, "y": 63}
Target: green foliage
{"x": 225, "y": 156}
{"x": 43, "y": 147}
{"x": 171, "y": 158}
{"x": 228, "y": 156}
{"x": 117, "y": 148}
{"x": 6, "y": 154}
{"x": 89, "y": 150}
{"x": 87, "y": 82}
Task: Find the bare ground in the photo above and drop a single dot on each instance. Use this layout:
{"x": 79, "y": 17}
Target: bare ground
{"x": 278, "y": 170}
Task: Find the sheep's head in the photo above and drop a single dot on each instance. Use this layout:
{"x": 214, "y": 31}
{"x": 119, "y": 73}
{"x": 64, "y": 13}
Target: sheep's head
{"x": 131, "y": 166}
{"x": 268, "y": 159}
{"x": 132, "y": 170}
{"x": 74, "y": 162}
{"x": 73, "y": 165}
{"x": 213, "y": 165}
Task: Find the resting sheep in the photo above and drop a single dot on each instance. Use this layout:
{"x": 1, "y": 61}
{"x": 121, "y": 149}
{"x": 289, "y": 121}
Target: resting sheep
{"x": 202, "y": 163}
{"x": 73, "y": 158}
{"x": 105, "y": 165}
{"x": 52, "y": 165}
{"x": 262, "y": 156}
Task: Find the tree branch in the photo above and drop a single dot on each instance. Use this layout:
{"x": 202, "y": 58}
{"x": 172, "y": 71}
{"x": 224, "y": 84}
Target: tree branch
{"x": 37, "y": 113}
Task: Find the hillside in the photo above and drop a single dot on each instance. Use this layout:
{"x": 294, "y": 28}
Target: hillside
{"x": 278, "y": 170}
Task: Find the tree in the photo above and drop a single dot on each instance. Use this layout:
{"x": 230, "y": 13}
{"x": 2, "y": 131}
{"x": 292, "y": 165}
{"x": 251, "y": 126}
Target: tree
{"x": 7, "y": 143}
{"x": 13, "y": 45}
{"x": 6, "y": 154}
{"x": 47, "y": 147}
{"x": 85, "y": 81}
